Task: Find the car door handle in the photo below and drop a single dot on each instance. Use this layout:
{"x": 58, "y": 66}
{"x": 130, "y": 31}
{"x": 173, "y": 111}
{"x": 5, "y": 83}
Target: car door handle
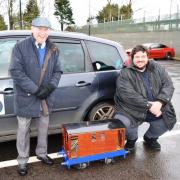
{"x": 82, "y": 83}
{"x": 7, "y": 91}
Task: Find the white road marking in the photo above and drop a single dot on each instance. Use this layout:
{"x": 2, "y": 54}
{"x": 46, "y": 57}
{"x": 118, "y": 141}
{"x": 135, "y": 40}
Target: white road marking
{"x": 33, "y": 159}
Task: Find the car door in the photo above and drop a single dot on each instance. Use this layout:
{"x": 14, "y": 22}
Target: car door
{"x": 78, "y": 86}
{"x": 8, "y": 122}
{"x": 107, "y": 60}
{"x": 156, "y": 51}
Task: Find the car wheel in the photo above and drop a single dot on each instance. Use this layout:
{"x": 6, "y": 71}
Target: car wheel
{"x": 168, "y": 56}
{"x": 101, "y": 111}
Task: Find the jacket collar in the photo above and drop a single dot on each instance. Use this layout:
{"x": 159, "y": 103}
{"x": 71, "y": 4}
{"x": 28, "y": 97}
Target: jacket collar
{"x": 48, "y": 42}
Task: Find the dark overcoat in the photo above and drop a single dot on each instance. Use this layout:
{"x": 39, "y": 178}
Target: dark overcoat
{"x": 25, "y": 71}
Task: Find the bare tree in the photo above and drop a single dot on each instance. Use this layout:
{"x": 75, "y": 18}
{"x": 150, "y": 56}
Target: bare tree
{"x": 1, "y": 2}
{"x": 49, "y": 8}
{"x": 10, "y": 13}
{"x": 7, "y": 9}
{"x": 42, "y": 7}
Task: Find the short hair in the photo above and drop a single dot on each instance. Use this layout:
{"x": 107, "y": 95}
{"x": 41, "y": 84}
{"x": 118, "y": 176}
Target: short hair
{"x": 137, "y": 49}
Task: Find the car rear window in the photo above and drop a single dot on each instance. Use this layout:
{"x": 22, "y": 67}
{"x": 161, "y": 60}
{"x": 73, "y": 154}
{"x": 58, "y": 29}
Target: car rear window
{"x": 6, "y": 47}
{"x": 107, "y": 56}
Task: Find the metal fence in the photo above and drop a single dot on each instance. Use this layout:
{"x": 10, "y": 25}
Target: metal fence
{"x": 170, "y": 22}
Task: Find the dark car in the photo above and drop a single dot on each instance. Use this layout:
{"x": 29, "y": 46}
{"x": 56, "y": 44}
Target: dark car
{"x": 90, "y": 67}
{"x": 157, "y": 51}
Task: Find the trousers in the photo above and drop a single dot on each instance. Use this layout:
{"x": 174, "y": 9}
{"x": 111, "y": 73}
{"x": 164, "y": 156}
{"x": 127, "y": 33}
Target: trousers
{"x": 23, "y": 138}
{"x": 155, "y": 130}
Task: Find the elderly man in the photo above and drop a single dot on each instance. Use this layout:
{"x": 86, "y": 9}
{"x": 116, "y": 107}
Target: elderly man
{"x": 143, "y": 94}
{"x": 33, "y": 98}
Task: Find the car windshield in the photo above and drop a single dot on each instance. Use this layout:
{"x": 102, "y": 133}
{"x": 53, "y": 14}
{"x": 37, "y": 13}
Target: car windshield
{"x": 6, "y": 47}
{"x": 147, "y": 45}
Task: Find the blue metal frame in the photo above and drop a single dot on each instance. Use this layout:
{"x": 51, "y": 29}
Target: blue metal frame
{"x": 86, "y": 159}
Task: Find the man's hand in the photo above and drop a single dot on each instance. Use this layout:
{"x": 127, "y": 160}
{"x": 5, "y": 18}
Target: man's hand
{"x": 156, "y": 108}
{"x": 44, "y": 91}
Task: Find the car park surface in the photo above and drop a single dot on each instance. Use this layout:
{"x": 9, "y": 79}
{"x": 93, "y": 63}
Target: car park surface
{"x": 144, "y": 164}
{"x": 90, "y": 67}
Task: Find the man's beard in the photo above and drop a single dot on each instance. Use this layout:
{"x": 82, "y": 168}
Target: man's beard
{"x": 141, "y": 68}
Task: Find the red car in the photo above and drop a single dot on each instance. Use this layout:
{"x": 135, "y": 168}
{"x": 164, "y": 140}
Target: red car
{"x": 157, "y": 51}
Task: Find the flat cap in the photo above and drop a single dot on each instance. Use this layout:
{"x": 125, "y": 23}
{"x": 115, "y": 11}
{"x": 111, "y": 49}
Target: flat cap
{"x": 41, "y": 22}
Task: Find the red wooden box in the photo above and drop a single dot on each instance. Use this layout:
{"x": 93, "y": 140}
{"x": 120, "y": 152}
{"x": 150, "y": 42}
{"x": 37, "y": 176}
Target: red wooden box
{"x": 90, "y": 138}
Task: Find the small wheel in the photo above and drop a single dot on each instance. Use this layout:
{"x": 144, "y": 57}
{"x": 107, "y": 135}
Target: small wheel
{"x": 108, "y": 160}
{"x": 81, "y": 166}
{"x": 101, "y": 111}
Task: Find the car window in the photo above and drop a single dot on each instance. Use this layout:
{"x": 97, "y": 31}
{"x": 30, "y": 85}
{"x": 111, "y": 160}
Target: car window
{"x": 6, "y": 47}
{"x": 155, "y": 46}
{"x": 162, "y": 46}
{"x": 71, "y": 57}
{"x": 104, "y": 56}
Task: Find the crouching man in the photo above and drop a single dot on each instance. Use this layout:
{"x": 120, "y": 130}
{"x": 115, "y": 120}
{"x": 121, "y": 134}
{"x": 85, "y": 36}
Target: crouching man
{"x": 143, "y": 94}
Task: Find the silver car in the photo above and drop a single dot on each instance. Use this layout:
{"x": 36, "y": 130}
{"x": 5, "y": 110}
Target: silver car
{"x": 85, "y": 93}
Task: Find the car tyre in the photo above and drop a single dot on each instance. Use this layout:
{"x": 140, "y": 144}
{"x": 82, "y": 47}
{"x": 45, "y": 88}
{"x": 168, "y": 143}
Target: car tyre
{"x": 168, "y": 56}
{"x": 101, "y": 111}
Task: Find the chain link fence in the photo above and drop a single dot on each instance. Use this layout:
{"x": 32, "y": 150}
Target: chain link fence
{"x": 168, "y": 22}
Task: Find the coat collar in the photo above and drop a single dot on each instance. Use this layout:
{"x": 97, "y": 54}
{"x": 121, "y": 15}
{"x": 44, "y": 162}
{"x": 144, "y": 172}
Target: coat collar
{"x": 48, "y": 42}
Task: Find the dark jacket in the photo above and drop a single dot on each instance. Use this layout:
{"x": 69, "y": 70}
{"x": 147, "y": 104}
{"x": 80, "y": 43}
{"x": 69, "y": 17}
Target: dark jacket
{"x": 131, "y": 99}
{"x": 25, "y": 71}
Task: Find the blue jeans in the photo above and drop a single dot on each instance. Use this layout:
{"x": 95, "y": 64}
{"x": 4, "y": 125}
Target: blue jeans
{"x": 156, "y": 128}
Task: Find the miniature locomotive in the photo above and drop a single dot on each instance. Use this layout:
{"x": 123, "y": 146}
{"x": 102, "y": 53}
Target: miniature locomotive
{"x": 93, "y": 140}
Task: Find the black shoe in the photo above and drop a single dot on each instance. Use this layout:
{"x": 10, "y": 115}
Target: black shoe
{"x": 130, "y": 145}
{"x": 152, "y": 143}
{"x": 46, "y": 160}
{"x": 22, "y": 169}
